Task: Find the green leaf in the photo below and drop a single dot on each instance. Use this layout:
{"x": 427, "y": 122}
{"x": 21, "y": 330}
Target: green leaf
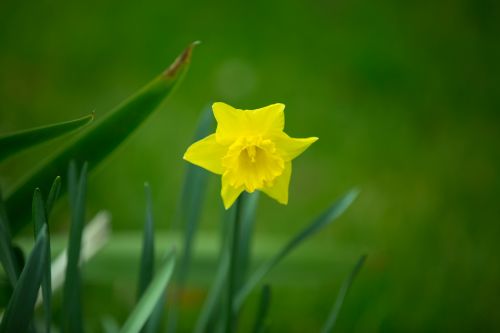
{"x": 332, "y": 317}
{"x": 17, "y": 142}
{"x": 333, "y": 212}
{"x": 7, "y": 255}
{"x": 232, "y": 287}
{"x": 19, "y": 312}
{"x": 147, "y": 264}
{"x": 99, "y": 140}
{"x": 148, "y": 247}
{"x": 72, "y": 311}
{"x": 39, "y": 222}
{"x": 191, "y": 205}
{"x": 213, "y": 302}
{"x": 261, "y": 318}
{"x": 248, "y": 213}
{"x": 55, "y": 189}
{"x": 150, "y": 298}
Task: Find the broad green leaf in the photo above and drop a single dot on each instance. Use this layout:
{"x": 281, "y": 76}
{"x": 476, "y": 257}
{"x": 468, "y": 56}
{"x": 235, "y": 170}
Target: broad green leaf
{"x": 16, "y": 142}
{"x": 99, "y": 140}
{"x": 332, "y": 213}
{"x": 7, "y": 255}
{"x": 150, "y": 298}
{"x": 332, "y": 317}
{"x": 260, "y": 325}
{"x": 146, "y": 267}
{"x": 19, "y": 312}
{"x": 39, "y": 222}
{"x": 72, "y": 311}
{"x": 55, "y": 189}
{"x": 191, "y": 205}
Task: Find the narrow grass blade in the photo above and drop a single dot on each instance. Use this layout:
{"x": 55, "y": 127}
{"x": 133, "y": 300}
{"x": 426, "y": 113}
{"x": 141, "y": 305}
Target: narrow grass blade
{"x": 55, "y": 189}
{"x": 249, "y": 210}
{"x": 7, "y": 255}
{"x": 19, "y": 312}
{"x": 231, "y": 311}
{"x": 260, "y": 325}
{"x": 150, "y": 298}
{"x": 72, "y": 312}
{"x": 17, "y": 142}
{"x": 332, "y": 317}
{"x": 99, "y": 140}
{"x": 213, "y": 303}
{"x": 191, "y": 204}
{"x": 148, "y": 247}
{"x": 333, "y": 212}
{"x": 147, "y": 265}
{"x": 39, "y": 222}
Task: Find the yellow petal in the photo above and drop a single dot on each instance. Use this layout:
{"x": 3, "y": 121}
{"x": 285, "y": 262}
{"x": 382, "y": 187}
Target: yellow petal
{"x": 279, "y": 190}
{"x": 230, "y": 122}
{"x": 229, "y": 193}
{"x": 292, "y": 147}
{"x": 207, "y": 153}
{"x": 268, "y": 119}
{"x": 234, "y": 123}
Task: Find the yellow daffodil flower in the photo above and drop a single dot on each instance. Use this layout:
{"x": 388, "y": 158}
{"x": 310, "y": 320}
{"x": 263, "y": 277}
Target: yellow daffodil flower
{"x": 250, "y": 150}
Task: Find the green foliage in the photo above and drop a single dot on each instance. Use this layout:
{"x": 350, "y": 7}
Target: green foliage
{"x": 72, "y": 308}
{"x": 151, "y": 296}
{"x": 332, "y": 213}
{"x": 7, "y": 256}
{"x": 191, "y": 205}
{"x": 19, "y": 312}
{"x": 148, "y": 247}
{"x": 16, "y": 142}
{"x": 231, "y": 285}
{"x": 332, "y": 317}
{"x": 40, "y": 222}
{"x": 260, "y": 325}
{"x": 98, "y": 141}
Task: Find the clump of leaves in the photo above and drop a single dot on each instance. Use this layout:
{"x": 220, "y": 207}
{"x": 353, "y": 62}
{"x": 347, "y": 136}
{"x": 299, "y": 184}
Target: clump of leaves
{"x": 96, "y": 140}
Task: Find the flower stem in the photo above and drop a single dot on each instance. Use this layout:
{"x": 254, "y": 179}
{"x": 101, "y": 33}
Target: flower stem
{"x": 233, "y": 255}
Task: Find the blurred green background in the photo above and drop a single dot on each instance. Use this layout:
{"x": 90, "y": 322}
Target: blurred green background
{"x": 404, "y": 96}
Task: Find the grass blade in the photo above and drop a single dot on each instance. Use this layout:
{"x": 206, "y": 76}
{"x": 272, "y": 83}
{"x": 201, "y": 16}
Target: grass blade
{"x": 17, "y": 142}
{"x": 7, "y": 255}
{"x": 231, "y": 311}
{"x": 249, "y": 210}
{"x": 72, "y": 316}
{"x": 332, "y": 317}
{"x": 150, "y": 298}
{"x": 214, "y": 298}
{"x": 148, "y": 247}
{"x": 39, "y": 222}
{"x": 191, "y": 204}
{"x": 19, "y": 312}
{"x": 147, "y": 265}
{"x": 98, "y": 141}
{"x": 55, "y": 189}
{"x": 333, "y": 212}
{"x": 260, "y": 325}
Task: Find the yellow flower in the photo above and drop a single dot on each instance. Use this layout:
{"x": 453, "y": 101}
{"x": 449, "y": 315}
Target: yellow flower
{"x": 250, "y": 150}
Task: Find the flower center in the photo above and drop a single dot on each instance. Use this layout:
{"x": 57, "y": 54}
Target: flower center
{"x": 252, "y": 162}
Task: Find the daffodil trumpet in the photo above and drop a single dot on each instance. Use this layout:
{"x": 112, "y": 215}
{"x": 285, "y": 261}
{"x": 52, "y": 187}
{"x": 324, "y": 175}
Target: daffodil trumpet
{"x": 250, "y": 150}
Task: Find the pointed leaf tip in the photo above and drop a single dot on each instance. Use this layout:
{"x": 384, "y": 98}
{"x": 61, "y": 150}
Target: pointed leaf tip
{"x": 181, "y": 60}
